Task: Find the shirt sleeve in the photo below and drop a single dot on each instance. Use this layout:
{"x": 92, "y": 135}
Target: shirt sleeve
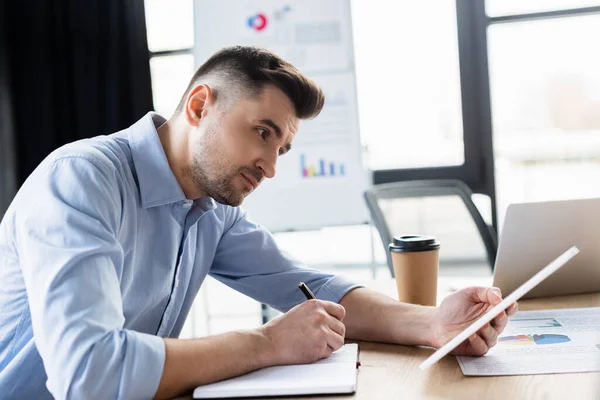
{"x": 249, "y": 261}
{"x": 67, "y": 227}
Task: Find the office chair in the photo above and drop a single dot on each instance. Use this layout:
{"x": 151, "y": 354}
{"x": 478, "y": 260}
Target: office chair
{"x": 426, "y": 188}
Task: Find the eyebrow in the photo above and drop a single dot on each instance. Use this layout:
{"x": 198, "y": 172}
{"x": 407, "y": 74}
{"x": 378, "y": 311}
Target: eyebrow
{"x": 277, "y": 130}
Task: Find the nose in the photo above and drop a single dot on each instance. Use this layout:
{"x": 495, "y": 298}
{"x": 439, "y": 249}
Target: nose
{"x": 268, "y": 167}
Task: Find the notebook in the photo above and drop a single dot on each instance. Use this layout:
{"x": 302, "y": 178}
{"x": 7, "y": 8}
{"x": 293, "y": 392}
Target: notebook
{"x": 334, "y": 375}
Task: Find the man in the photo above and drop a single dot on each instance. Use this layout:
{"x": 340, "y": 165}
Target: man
{"x": 106, "y": 244}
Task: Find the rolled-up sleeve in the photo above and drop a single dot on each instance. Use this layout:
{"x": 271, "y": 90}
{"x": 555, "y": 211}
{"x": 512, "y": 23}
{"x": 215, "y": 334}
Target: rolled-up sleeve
{"x": 249, "y": 261}
{"x": 71, "y": 258}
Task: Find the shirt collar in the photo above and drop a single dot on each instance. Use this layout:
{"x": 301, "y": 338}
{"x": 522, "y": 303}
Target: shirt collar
{"x": 158, "y": 185}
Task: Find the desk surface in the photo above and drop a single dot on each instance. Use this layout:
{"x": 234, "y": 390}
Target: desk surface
{"x": 391, "y": 371}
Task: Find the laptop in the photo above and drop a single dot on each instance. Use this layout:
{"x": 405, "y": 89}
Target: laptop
{"x": 532, "y": 235}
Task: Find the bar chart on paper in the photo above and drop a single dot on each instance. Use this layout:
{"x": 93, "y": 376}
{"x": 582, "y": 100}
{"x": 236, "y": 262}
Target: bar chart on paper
{"x": 320, "y": 168}
{"x": 532, "y": 339}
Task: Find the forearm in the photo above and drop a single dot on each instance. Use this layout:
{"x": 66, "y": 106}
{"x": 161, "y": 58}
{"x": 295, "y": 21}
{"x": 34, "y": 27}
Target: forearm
{"x": 193, "y": 362}
{"x": 374, "y": 317}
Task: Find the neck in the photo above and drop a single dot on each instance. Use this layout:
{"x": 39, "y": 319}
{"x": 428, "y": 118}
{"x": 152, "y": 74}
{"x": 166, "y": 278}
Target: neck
{"x": 174, "y": 137}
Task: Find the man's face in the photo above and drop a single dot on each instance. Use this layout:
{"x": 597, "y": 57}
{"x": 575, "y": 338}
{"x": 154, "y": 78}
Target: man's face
{"x": 234, "y": 150}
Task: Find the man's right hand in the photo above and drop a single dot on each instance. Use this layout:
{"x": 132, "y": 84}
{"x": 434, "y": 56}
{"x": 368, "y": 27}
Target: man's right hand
{"x": 308, "y": 332}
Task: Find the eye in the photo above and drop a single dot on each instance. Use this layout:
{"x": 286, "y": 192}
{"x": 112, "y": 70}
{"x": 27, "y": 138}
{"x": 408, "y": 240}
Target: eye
{"x": 281, "y": 151}
{"x": 264, "y": 133}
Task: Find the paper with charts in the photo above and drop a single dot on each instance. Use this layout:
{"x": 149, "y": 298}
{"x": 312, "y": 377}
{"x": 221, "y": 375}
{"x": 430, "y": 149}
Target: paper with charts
{"x": 542, "y": 342}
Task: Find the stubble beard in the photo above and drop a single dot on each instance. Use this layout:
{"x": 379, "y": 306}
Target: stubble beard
{"x": 210, "y": 171}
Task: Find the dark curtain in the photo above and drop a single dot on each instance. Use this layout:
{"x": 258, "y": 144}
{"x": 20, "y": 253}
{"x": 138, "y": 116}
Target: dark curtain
{"x": 78, "y": 68}
{"x": 8, "y": 173}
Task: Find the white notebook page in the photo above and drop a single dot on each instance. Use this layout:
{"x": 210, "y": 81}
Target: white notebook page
{"x": 336, "y": 374}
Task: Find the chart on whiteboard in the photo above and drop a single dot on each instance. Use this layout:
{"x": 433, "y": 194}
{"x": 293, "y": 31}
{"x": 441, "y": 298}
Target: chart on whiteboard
{"x": 311, "y": 34}
{"x": 322, "y": 180}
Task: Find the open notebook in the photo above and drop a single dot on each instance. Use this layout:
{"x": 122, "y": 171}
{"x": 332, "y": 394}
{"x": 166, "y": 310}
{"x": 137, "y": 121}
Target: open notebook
{"x": 336, "y": 374}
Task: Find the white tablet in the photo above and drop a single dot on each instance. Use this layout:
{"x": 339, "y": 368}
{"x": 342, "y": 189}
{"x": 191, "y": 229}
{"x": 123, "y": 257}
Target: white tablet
{"x": 494, "y": 312}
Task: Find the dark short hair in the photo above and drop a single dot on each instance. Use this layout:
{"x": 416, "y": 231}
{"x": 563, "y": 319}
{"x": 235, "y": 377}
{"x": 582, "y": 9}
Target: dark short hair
{"x": 251, "y": 68}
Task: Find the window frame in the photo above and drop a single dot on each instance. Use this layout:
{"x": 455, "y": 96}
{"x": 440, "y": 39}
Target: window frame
{"x": 477, "y": 171}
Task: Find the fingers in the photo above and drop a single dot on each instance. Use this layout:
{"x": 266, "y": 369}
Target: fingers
{"x": 333, "y": 327}
{"x": 327, "y": 317}
{"x": 499, "y": 323}
{"x": 334, "y": 340}
{"x": 493, "y": 296}
{"x": 512, "y": 308}
{"x": 477, "y": 344}
{"x": 327, "y": 342}
{"x": 489, "y": 334}
{"x": 337, "y": 326}
{"x": 308, "y": 332}
{"x": 489, "y": 295}
{"x": 330, "y": 314}
{"x": 333, "y": 309}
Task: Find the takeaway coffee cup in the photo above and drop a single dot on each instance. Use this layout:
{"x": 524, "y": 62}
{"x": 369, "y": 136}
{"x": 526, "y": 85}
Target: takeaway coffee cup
{"x": 415, "y": 259}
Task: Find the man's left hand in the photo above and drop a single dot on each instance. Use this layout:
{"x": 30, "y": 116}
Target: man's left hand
{"x": 461, "y": 309}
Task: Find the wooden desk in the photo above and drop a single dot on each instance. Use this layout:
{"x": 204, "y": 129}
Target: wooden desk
{"x": 391, "y": 371}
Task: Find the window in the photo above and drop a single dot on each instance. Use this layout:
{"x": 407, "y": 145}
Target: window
{"x": 545, "y": 96}
{"x": 497, "y": 8}
{"x": 408, "y": 83}
{"x": 170, "y": 24}
{"x": 170, "y": 77}
{"x": 170, "y": 29}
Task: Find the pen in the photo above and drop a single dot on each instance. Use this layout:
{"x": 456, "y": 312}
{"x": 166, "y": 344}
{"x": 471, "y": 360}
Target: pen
{"x": 309, "y": 295}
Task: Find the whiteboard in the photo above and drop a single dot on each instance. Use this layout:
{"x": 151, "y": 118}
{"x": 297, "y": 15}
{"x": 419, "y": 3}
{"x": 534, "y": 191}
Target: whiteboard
{"x": 322, "y": 180}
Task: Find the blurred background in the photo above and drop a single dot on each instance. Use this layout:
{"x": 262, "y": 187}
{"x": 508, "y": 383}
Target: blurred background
{"x": 503, "y": 95}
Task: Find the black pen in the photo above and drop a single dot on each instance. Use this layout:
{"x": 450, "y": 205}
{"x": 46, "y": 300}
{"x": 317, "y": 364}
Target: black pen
{"x": 309, "y": 295}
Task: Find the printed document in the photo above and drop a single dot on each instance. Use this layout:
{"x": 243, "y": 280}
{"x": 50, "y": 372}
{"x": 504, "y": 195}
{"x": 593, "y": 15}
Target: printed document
{"x": 542, "y": 342}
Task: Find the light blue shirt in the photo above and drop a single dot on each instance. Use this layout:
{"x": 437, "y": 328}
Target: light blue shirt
{"x": 101, "y": 255}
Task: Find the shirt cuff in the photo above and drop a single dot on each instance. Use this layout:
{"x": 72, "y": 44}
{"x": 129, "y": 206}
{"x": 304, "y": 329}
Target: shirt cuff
{"x": 336, "y": 288}
{"x": 145, "y": 360}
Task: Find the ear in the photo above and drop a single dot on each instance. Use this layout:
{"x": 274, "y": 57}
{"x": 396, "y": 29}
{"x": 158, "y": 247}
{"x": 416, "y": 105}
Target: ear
{"x": 197, "y": 104}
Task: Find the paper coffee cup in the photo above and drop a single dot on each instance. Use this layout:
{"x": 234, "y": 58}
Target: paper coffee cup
{"x": 415, "y": 259}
